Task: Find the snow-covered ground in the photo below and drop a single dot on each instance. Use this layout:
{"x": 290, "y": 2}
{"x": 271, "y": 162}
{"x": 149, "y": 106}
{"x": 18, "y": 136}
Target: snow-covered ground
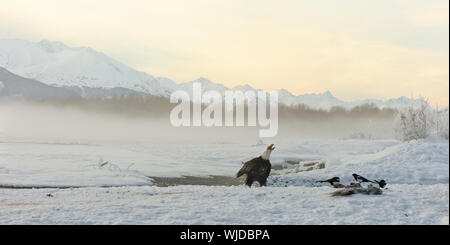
{"x": 400, "y": 204}
{"x": 417, "y": 174}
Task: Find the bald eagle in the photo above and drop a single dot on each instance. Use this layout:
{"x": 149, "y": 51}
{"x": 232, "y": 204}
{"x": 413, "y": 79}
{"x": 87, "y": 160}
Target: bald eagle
{"x": 257, "y": 169}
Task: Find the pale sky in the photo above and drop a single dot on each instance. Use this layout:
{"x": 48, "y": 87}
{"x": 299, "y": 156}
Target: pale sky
{"x": 354, "y": 48}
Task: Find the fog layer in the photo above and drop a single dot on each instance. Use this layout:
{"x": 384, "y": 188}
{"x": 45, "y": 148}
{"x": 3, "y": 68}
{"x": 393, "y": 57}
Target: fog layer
{"x": 93, "y": 121}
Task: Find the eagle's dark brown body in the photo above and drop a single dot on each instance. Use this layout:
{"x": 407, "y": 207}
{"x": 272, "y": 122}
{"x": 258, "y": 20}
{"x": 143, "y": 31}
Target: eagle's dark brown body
{"x": 257, "y": 169}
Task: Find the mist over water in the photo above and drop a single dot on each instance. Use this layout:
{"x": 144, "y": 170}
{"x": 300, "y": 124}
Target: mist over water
{"x": 65, "y": 124}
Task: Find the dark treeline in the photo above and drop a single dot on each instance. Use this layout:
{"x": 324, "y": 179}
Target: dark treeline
{"x": 363, "y": 111}
{"x": 155, "y": 106}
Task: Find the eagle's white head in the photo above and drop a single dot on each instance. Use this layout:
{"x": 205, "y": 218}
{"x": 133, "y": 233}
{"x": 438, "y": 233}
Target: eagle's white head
{"x": 266, "y": 153}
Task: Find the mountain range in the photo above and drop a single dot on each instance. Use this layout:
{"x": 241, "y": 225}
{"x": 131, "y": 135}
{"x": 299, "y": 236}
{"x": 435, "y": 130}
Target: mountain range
{"x": 52, "y": 69}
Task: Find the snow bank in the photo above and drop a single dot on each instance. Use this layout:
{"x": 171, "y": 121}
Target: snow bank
{"x": 418, "y": 162}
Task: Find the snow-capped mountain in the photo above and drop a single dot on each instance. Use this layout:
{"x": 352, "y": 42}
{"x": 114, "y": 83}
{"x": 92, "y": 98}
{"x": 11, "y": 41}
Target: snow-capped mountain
{"x": 320, "y": 101}
{"x": 206, "y": 85}
{"x": 13, "y": 86}
{"x": 56, "y": 64}
{"x": 16, "y": 87}
{"x": 91, "y": 73}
